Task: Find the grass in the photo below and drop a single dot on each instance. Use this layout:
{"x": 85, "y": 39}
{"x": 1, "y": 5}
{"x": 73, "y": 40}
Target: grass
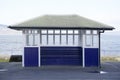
{"x": 103, "y": 59}
{"x": 4, "y": 60}
{"x": 110, "y": 59}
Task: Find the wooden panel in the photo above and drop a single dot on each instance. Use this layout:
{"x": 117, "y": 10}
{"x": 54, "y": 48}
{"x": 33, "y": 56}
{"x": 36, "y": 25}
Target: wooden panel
{"x": 31, "y": 56}
{"x": 91, "y": 57}
{"x": 61, "y": 55}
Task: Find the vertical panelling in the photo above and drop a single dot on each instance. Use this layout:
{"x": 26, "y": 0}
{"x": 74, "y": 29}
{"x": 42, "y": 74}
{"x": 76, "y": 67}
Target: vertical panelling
{"x": 91, "y": 57}
{"x": 30, "y": 56}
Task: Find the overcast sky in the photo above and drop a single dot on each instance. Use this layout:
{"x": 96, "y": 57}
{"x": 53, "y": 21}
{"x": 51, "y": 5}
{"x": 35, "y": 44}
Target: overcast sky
{"x": 16, "y": 11}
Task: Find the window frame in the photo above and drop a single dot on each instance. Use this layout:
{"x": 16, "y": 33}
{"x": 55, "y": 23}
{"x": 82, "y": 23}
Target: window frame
{"x": 55, "y": 32}
{"x": 92, "y": 41}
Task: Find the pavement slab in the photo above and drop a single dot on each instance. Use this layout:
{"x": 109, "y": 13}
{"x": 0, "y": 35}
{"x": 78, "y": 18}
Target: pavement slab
{"x": 15, "y": 71}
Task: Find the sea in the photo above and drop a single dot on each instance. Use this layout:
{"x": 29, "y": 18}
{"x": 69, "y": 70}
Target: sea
{"x": 13, "y": 45}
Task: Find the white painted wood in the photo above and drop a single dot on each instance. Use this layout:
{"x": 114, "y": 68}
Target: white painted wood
{"x": 81, "y": 41}
{"x": 24, "y": 43}
{"x": 39, "y": 51}
{"x": 83, "y": 50}
{"x": 91, "y": 33}
{"x": 60, "y": 34}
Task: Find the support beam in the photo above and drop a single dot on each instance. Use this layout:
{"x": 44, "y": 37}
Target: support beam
{"x": 83, "y": 50}
{"x": 24, "y": 44}
{"x": 83, "y": 47}
{"x": 40, "y": 37}
{"x": 99, "y": 49}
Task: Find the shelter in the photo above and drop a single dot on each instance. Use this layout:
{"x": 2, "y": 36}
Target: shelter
{"x": 61, "y": 40}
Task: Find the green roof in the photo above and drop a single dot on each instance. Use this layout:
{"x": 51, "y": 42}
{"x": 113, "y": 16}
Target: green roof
{"x": 61, "y": 21}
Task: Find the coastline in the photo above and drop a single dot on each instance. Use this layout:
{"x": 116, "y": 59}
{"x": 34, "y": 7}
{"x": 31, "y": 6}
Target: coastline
{"x": 6, "y": 58}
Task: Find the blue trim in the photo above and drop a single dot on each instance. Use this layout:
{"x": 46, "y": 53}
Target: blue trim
{"x": 91, "y": 57}
{"x": 31, "y": 56}
{"x": 61, "y": 56}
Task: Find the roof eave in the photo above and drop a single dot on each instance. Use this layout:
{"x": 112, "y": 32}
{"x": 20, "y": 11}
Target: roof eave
{"x": 26, "y": 27}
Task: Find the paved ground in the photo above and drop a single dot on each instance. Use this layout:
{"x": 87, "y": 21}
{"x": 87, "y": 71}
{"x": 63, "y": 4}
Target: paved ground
{"x": 14, "y": 71}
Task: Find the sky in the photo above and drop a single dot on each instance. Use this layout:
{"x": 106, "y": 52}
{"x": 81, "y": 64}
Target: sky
{"x": 16, "y": 11}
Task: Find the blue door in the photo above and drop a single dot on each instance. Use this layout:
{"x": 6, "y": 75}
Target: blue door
{"x": 31, "y": 56}
{"x": 61, "y": 56}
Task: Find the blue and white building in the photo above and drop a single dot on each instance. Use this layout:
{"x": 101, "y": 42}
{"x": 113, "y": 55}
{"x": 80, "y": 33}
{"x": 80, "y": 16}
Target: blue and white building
{"x": 62, "y": 40}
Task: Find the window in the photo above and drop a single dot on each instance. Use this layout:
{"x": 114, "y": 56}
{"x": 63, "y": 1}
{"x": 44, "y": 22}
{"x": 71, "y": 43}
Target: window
{"x": 36, "y": 40}
{"x": 57, "y": 39}
{"x": 29, "y": 31}
{"x": 70, "y": 39}
{"x": 31, "y": 37}
{"x": 57, "y": 31}
{"x": 44, "y": 39}
{"x": 63, "y": 31}
{"x": 44, "y": 31}
{"x": 50, "y": 31}
{"x": 94, "y": 31}
{"x": 27, "y": 40}
{"x": 50, "y": 39}
{"x": 88, "y": 40}
{"x": 76, "y": 40}
{"x": 95, "y": 40}
{"x": 34, "y": 31}
{"x": 91, "y": 38}
{"x": 70, "y": 31}
{"x": 63, "y": 39}
{"x": 88, "y": 31}
{"x": 30, "y": 40}
{"x": 75, "y": 31}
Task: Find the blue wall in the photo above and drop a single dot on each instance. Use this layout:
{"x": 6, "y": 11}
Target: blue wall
{"x": 91, "y": 57}
{"x": 31, "y": 56}
{"x": 61, "y": 56}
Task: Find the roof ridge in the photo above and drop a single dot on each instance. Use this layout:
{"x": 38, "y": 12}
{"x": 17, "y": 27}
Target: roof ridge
{"x": 61, "y": 15}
